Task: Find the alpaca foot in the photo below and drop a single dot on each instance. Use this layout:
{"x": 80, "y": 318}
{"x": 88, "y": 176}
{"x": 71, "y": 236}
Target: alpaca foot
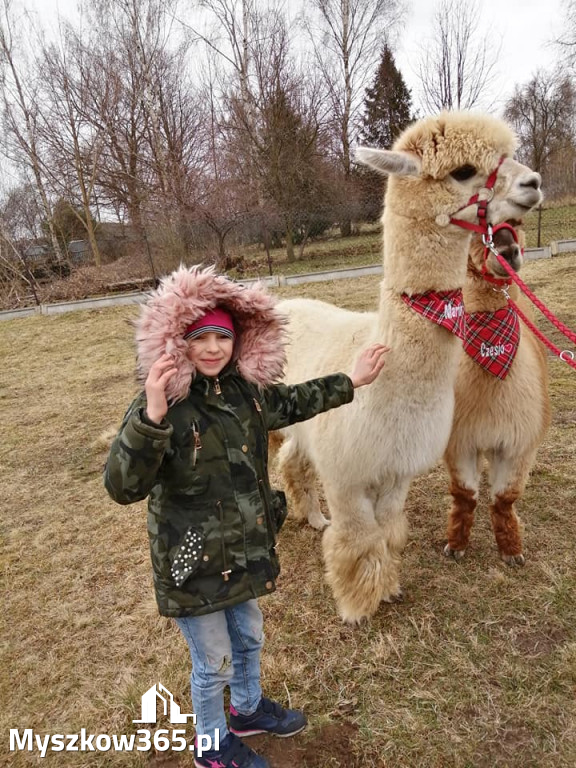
{"x": 394, "y": 597}
{"x": 360, "y": 571}
{"x": 514, "y": 560}
{"x": 455, "y": 554}
{"x": 317, "y": 520}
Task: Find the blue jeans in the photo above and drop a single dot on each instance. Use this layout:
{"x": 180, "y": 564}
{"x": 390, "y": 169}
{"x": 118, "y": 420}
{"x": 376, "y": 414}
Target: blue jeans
{"x": 225, "y": 649}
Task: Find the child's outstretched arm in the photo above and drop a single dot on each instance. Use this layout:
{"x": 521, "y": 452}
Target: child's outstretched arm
{"x": 289, "y": 404}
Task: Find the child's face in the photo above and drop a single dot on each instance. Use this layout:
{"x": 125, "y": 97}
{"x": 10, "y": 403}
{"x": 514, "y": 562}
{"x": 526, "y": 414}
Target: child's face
{"x": 210, "y": 352}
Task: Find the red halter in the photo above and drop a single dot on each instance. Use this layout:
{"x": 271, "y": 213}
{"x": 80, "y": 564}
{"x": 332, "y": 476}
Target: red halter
{"x": 489, "y": 247}
{"x": 480, "y": 200}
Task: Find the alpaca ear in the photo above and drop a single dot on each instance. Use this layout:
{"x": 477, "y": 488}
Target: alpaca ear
{"x": 388, "y": 162}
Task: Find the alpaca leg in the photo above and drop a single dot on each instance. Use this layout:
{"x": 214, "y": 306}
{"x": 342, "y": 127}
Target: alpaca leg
{"x": 464, "y": 482}
{"x": 300, "y": 483}
{"x": 393, "y": 524}
{"x": 508, "y": 477}
{"x": 361, "y": 556}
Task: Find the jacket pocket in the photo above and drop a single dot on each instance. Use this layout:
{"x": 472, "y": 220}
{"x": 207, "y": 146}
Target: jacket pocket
{"x": 279, "y": 508}
{"x": 188, "y": 556}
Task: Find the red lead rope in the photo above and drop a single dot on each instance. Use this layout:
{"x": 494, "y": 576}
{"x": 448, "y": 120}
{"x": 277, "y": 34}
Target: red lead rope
{"x": 565, "y": 355}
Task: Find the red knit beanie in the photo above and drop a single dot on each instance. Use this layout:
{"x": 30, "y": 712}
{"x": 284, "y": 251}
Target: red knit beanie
{"x": 216, "y": 321}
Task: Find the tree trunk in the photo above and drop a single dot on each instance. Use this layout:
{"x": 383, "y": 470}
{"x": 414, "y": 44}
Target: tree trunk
{"x": 222, "y": 261}
{"x": 346, "y": 228}
{"x": 289, "y": 245}
{"x": 93, "y": 242}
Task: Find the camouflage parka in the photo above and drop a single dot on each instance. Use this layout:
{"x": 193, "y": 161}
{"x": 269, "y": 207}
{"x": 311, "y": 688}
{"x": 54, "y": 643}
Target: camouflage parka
{"x": 213, "y": 518}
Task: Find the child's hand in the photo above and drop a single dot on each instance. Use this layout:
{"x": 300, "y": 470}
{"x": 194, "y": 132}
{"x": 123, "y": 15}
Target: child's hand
{"x": 368, "y": 365}
{"x": 156, "y": 382}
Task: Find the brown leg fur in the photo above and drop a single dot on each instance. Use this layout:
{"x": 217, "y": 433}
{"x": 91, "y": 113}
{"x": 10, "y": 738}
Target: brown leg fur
{"x": 506, "y": 528}
{"x": 460, "y": 520}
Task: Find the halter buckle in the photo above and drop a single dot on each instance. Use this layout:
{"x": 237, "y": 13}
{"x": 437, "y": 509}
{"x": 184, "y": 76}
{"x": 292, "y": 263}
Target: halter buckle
{"x": 486, "y": 194}
{"x": 503, "y": 290}
{"x": 487, "y": 239}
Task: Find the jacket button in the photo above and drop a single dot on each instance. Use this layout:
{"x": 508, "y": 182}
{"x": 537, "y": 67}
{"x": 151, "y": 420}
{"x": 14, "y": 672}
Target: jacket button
{"x": 259, "y": 520}
{"x": 205, "y": 558}
{"x": 269, "y": 585}
{"x": 244, "y": 448}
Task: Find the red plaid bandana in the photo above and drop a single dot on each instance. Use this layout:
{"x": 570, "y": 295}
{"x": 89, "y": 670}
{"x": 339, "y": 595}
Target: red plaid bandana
{"x": 492, "y": 339}
{"x": 443, "y": 308}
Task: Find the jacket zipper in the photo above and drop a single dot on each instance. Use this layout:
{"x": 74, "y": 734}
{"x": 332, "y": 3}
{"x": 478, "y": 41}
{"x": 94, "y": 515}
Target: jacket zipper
{"x": 217, "y": 387}
{"x": 226, "y": 572}
{"x": 197, "y": 443}
{"x": 270, "y": 532}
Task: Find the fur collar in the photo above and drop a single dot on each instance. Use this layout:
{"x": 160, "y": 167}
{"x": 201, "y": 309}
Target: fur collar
{"x": 187, "y": 294}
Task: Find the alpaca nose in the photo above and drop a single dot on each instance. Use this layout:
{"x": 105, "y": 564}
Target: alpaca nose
{"x": 533, "y": 180}
{"x": 511, "y": 254}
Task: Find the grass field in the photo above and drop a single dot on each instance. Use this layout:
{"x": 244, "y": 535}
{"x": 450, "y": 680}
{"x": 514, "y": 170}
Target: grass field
{"x": 476, "y": 669}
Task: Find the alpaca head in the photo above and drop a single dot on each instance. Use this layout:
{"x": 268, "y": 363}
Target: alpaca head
{"x": 439, "y": 163}
{"x": 506, "y": 244}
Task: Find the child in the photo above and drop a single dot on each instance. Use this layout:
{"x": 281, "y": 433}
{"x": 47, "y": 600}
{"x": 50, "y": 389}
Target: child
{"x": 196, "y": 442}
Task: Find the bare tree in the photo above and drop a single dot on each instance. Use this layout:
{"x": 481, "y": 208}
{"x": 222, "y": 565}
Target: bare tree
{"x": 16, "y": 277}
{"x": 458, "y": 64}
{"x": 224, "y": 195}
{"x": 346, "y": 36}
{"x": 128, "y": 38}
{"x": 542, "y": 112}
{"x": 73, "y": 143}
{"x": 270, "y": 123}
{"x": 22, "y": 213}
{"x": 238, "y": 29}
{"x": 22, "y": 111}
{"x": 567, "y": 40}
{"x": 282, "y": 131}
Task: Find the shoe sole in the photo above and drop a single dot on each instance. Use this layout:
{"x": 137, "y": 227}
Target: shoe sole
{"x": 241, "y": 734}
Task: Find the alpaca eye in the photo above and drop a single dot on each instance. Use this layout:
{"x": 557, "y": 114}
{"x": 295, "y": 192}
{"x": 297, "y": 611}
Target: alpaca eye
{"x": 463, "y": 172}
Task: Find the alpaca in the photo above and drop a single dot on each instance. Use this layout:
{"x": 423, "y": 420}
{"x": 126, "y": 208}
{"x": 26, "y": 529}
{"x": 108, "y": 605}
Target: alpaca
{"x": 504, "y": 419}
{"x": 366, "y": 454}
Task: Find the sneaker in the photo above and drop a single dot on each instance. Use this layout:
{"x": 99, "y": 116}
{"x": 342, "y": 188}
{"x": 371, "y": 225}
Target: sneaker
{"x": 232, "y": 754}
{"x": 270, "y": 717}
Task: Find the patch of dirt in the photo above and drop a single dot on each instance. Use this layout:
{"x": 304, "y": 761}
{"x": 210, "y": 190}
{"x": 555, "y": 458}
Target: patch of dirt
{"x": 564, "y": 417}
{"x": 162, "y": 761}
{"x": 331, "y": 746}
{"x": 540, "y": 642}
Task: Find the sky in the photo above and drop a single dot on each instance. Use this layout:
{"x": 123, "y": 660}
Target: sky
{"x": 522, "y": 29}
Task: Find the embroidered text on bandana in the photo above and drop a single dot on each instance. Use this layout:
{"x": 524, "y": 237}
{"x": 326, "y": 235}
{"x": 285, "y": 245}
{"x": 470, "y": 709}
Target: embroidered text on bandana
{"x": 443, "y": 308}
{"x": 492, "y": 339}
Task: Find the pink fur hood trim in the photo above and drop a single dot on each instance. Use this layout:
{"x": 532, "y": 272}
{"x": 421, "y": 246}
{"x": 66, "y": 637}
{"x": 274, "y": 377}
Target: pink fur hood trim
{"x": 184, "y": 296}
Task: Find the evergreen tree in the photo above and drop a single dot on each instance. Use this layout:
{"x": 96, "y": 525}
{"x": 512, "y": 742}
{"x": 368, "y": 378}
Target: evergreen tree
{"x": 387, "y": 111}
{"x": 387, "y": 105}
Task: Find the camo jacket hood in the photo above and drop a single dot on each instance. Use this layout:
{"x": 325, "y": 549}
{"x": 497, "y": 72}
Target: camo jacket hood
{"x": 186, "y": 295}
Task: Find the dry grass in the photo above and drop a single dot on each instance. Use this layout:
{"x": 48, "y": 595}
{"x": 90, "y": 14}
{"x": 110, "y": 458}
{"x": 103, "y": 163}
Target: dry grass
{"x": 477, "y": 668}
